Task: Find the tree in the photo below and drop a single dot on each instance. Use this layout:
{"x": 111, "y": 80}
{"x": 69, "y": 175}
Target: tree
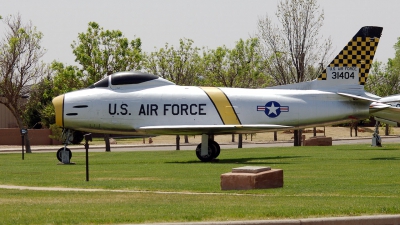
{"x": 40, "y": 98}
{"x": 384, "y": 79}
{"x": 293, "y": 51}
{"x": 102, "y": 53}
{"x": 181, "y": 66}
{"x": 20, "y": 65}
{"x": 241, "y": 66}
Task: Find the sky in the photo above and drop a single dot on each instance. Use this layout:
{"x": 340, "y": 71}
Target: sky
{"x": 209, "y": 23}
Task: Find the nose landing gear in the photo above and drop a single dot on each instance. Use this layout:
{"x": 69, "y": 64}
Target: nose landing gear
{"x": 69, "y": 137}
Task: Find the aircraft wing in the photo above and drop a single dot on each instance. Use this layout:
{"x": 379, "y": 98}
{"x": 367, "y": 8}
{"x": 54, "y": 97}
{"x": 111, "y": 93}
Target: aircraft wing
{"x": 212, "y": 129}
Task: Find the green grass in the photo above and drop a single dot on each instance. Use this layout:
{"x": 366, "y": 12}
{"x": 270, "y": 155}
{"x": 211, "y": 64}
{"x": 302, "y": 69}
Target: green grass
{"x": 318, "y": 181}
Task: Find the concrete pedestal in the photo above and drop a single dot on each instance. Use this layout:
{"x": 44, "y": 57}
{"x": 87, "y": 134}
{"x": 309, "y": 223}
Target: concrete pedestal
{"x": 245, "y": 178}
{"x": 318, "y": 141}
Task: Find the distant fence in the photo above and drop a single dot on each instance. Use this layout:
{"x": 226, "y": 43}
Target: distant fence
{"x": 12, "y": 136}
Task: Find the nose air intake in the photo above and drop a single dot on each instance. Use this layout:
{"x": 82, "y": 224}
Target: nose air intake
{"x": 58, "y": 103}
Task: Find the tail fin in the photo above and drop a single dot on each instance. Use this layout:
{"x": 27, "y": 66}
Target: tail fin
{"x": 355, "y": 59}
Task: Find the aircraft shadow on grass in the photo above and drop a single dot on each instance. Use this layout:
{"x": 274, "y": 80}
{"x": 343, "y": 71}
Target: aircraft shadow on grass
{"x": 250, "y": 160}
{"x": 369, "y": 149}
{"x": 386, "y": 158}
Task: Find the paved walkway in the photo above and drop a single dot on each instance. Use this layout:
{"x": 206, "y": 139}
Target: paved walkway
{"x": 190, "y": 146}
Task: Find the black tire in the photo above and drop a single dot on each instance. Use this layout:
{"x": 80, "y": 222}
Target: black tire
{"x": 213, "y": 151}
{"x": 205, "y": 158}
{"x": 216, "y": 147}
{"x": 59, "y": 153}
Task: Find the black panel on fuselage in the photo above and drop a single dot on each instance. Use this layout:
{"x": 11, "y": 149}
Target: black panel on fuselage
{"x": 123, "y": 78}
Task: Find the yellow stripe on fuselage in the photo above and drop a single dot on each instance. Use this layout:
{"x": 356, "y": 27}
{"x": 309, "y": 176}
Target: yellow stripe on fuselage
{"x": 223, "y": 105}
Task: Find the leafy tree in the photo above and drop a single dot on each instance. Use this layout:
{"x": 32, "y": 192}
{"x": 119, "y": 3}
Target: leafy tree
{"x": 38, "y": 100}
{"x": 66, "y": 78}
{"x": 293, "y": 51}
{"x": 181, "y": 66}
{"x": 20, "y": 65}
{"x": 103, "y": 52}
{"x": 241, "y": 66}
{"x": 384, "y": 79}
{"x": 216, "y": 66}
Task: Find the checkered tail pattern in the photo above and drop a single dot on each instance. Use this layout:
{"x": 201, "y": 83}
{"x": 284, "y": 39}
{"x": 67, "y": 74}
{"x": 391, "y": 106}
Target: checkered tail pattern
{"x": 359, "y": 52}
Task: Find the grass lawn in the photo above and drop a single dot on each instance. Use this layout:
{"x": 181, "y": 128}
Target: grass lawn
{"x": 318, "y": 182}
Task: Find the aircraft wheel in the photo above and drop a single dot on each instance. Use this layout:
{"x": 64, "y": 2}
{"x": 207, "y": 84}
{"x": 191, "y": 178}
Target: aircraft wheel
{"x": 59, "y": 153}
{"x": 209, "y": 156}
{"x": 216, "y": 148}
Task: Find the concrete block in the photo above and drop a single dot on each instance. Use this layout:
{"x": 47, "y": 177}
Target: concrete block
{"x": 245, "y": 180}
{"x": 251, "y": 169}
{"x": 318, "y": 141}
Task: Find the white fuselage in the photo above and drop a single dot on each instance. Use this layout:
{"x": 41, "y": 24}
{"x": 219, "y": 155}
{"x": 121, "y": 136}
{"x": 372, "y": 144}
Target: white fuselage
{"x": 128, "y": 108}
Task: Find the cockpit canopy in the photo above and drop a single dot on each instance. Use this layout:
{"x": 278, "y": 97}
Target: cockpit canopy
{"x": 129, "y": 78}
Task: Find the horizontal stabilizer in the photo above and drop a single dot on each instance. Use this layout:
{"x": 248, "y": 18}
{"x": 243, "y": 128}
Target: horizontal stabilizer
{"x": 356, "y": 97}
{"x": 378, "y": 105}
{"x": 374, "y": 107}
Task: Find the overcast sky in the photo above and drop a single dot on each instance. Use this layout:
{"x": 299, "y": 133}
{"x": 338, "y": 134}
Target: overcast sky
{"x": 209, "y": 23}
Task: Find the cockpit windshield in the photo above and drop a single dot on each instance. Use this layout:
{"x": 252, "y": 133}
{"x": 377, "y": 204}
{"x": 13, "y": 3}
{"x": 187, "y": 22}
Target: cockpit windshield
{"x": 131, "y": 78}
{"x": 123, "y": 78}
{"x": 101, "y": 83}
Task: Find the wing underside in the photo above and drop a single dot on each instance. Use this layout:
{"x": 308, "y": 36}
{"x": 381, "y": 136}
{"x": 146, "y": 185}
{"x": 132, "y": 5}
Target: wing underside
{"x": 212, "y": 129}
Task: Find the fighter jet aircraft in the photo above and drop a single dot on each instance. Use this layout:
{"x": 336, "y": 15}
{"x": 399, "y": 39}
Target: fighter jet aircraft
{"x": 137, "y": 103}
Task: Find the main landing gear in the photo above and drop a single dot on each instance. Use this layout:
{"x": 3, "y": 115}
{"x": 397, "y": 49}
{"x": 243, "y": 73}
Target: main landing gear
{"x": 64, "y": 154}
{"x": 208, "y": 149}
{"x": 376, "y": 139}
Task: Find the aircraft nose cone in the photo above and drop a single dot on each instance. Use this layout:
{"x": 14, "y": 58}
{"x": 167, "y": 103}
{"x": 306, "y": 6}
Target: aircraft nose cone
{"x": 58, "y": 103}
